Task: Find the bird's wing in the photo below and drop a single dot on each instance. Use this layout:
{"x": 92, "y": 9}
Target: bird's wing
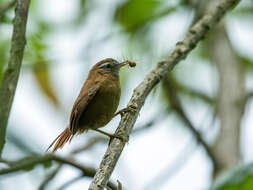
{"x": 81, "y": 103}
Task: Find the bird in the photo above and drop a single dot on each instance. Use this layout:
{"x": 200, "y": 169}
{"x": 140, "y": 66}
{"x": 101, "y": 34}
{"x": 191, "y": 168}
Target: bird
{"x": 96, "y": 103}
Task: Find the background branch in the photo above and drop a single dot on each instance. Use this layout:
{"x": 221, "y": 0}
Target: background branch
{"x": 195, "y": 34}
{"x": 11, "y": 75}
{"x": 49, "y": 177}
{"x": 230, "y": 100}
{"x": 31, "y": 161}
{"x": 28, "y": 163}
{"x": 177, "y": 106}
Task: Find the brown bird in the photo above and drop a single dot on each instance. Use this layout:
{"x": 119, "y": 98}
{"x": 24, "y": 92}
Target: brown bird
{"x": 97, "y": 101}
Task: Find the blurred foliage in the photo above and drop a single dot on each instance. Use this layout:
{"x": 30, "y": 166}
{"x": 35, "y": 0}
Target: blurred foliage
{"x": 134, "y": 14}
{"x": 202, "y": 50}
{"x": 247, "y": 62}
{"x": 244, "y": 10}
{"x": 5, "y": 8}
{"x": 36, "y": 56}
{"x": 240, "y": 178}
{"x": 131, "y": 13}
{"x": 83, "y": 11}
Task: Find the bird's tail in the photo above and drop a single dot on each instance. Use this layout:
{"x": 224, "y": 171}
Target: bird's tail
{"x": 61, "y": 140}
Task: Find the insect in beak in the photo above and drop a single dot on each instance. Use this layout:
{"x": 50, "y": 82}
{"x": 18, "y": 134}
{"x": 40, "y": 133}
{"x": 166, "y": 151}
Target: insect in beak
{"x": 122, "y": 64}
{"x": 130, "y": 63}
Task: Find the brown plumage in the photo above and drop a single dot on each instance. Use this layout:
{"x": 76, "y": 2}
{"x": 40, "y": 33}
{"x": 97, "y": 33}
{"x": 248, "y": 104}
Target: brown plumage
{"x": 97, "y": 102}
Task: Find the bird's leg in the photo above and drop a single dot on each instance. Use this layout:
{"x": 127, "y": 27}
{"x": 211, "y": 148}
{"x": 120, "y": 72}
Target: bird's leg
{"x": 104, "y": 133}
{"x": 131, "y": 108}
{"x": 111, "y": 136}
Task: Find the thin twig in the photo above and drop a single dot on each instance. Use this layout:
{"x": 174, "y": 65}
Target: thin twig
{"x": 195, "y": 34}
{"x": 4, "y": 161}
{"x": 70, "y": 182}
{"x": 49, "y": 177}
{"x": 177, "y": 106}
{"x": 31, "y": 161}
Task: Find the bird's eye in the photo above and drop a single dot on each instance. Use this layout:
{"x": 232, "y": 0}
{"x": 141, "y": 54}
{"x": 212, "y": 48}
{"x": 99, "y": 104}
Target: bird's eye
{"x": 109, "y": 65}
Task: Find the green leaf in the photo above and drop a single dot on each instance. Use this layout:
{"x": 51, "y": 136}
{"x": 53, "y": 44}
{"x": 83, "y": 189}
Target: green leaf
{"x": 133, "y": 12}
{"x": 239, "y": 178}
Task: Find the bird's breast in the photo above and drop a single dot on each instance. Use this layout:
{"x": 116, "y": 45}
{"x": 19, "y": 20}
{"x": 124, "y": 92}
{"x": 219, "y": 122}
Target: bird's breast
{"x": 102, "y": 107}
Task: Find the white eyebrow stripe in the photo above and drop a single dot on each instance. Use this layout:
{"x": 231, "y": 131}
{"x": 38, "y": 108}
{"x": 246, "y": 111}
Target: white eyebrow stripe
{"x": 104, "y": 64}
{"x": 107, "y": 63}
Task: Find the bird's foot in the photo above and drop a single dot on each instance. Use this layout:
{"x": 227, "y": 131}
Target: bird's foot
{"x": 120, "y": 134}
{"x": 132, "y": 108}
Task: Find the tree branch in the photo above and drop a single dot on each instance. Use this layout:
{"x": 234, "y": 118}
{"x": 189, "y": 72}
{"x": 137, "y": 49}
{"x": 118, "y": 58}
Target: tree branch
{"x": 195, "y": 34}
{"x": 28, "y": 163}
{"x": 31, "y": 161}
{"x": 230, "y": 100}
{"x": 11, "y": 75}
{"x": 49, "y": 177}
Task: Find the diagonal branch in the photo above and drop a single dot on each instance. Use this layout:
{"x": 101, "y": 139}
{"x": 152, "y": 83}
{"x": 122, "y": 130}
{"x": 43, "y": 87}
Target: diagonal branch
{"x": 11, "y": 75}
{"x": 195, "y": 34}
{"x": 49, "y": 177}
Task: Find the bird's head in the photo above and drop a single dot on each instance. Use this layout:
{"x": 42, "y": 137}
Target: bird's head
{"x": 109, "y": 66}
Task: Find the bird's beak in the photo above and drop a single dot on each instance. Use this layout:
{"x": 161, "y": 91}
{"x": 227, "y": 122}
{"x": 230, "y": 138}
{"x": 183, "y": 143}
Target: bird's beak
{"x": 122, "y": 64}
